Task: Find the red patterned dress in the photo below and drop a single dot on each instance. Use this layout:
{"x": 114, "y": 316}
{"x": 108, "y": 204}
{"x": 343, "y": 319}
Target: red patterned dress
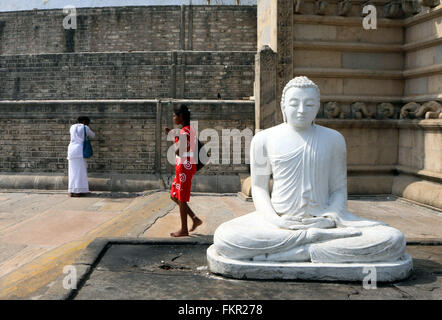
{"x": 185, "y": 166}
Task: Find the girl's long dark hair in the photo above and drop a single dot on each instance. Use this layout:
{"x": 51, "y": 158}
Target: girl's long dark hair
{"x": 182, "y": 109}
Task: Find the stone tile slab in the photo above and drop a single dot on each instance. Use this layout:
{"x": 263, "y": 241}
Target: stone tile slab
{"x": 8, "y": 250}
{"x": 179, "y": 271}
{"x": 20, "y": 257}
{"x": 414, "y": 221}
{"x": 213, "y": 210}
{"x": 55, "y": 228}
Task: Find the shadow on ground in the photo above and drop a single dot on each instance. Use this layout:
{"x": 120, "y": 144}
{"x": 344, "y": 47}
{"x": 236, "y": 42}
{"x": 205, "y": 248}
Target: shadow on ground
{"x": 179, "y": 271}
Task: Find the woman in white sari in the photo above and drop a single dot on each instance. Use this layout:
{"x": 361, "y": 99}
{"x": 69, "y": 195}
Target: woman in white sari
{"x": 78, "y": 183}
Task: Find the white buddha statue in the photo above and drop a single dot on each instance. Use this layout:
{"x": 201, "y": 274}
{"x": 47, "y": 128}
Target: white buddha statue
{"x": 304, "y": 218}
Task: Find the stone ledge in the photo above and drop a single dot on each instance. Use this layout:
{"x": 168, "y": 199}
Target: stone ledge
{"x": 422, "y": 71}
{"x": 422, "y": 98}
{"x": 343, "y": 21}
{"x": 378, "y": 123}
{"x": 436, "y": 176}
{"x": 125, "y": 101}
{"x": 422, "y": 44}
{"x": 92, "y": 10}
{"x": 386, "y": 271}
{"x": 348, "y": 98}
{"x": 349, "y": 73}
{"x": 111, "y": 182}
{"x": 216, "y": 183}
{"x": 418, "y": 190}
{"x": 347, "y": 46}
{"x": 423, "y": 16}
{"x": 226, "y": 183}
{"x": 160, "y": 53}
{"x": 392, "y": 169}
{"x": 366, "y": 47}
{"x": 368, "y": 73}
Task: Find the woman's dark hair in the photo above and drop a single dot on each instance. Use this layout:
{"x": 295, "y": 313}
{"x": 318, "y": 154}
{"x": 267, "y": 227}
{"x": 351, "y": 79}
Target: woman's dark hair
{"x": 182, "y": 109}
{"x": 84, "y": 120}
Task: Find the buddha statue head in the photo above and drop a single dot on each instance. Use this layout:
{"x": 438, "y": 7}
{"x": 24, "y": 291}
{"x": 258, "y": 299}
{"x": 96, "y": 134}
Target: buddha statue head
{"x": 300, "y": 102}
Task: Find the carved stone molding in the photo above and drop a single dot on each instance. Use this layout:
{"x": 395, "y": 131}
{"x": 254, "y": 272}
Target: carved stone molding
{"x": 333, "y": 110}
{"x": 360, "y": 110}
{"x": 297, "y": 6}
{"x": 430, "y": 110}
{"x": 344, "y": 7}
{"x": 408, "y": 111}
{"x": 321, "y": 7}
{"x": 366, "y": 3}
{"x": 431, "y": 3}
{"x": 386, "y": 110}
{"x": 393, "y": 9}
{"x": 411, "y": 6}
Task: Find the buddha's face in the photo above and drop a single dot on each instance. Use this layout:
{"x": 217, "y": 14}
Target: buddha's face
{"x": 301, "y": 106}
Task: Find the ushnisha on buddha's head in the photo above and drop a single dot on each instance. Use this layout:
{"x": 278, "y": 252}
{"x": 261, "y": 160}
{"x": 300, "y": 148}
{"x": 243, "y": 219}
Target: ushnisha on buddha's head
{"x": 300, "y": 102}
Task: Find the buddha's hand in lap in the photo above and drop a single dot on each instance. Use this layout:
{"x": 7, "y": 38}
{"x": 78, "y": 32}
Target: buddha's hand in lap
{"x": 319, "y": 222}
{"x": 306, "y": 223}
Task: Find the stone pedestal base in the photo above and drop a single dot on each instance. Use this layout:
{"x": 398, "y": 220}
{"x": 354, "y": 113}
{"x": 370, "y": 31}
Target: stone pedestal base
{"x": 244, "y": 269}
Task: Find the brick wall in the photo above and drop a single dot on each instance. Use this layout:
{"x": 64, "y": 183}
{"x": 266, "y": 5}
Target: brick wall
{"x": 127, "y": 75}
{"x": 34, "y": 136}
{"x": 221, "y": 28}
{"x": 123, "y": 29}
{"x": 218, "y": 117}
{"x": 121, "y": 53}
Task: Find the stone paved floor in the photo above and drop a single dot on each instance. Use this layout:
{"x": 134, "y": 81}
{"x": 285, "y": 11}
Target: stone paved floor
{"x": 136, "y": 272}
{"x": 416, "y": 222}
{"x": 41, "y": 232}
{"x": 139, "y": 272}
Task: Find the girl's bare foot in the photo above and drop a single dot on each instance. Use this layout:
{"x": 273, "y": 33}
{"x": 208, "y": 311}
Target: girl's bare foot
{"x": 180, "y": 233}
{"x": 196, "y": 223}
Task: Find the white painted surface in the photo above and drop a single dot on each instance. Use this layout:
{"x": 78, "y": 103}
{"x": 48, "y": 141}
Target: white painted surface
{"x": 305, "y": 218}
{"x": 385, "y": 271}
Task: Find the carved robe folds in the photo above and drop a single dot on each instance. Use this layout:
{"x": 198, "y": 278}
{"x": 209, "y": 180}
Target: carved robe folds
{"x": 309, "y": 182}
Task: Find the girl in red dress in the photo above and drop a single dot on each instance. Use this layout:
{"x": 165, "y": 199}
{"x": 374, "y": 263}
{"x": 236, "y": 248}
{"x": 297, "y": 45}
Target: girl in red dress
{"x": 185, "y": 169}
